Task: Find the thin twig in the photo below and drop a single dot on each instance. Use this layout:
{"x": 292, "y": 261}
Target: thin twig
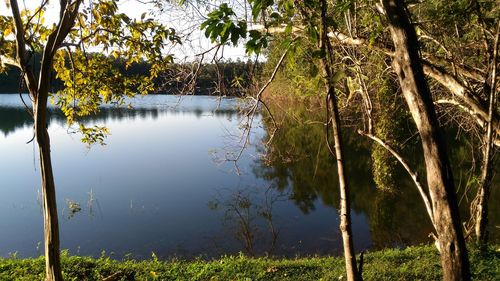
{"x": 412, "y": 174}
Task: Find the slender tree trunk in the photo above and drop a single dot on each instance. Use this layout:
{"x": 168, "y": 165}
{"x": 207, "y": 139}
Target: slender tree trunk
{"x": 408, "y": 67}
{"x": 483, "y": 196}
{"x": 39, "y": 92}
{"x": 345, "y": 201}
{"x": 50, "y": 219}
{"x": 345, "y": 208}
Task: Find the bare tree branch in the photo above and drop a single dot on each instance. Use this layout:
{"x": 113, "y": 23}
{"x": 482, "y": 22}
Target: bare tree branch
{"x": 4, "y": 60}
{"x": 55, "y": 41}
{"x": 414, "y": 176}
{"x": 21, "y": 53}
{"x": 455, "y": 87}
{"x": 479, "y": 120}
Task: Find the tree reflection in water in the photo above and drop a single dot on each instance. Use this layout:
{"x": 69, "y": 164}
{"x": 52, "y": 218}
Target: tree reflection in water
{"x": 298, "y": 161}
{"x": 249, "y": 217}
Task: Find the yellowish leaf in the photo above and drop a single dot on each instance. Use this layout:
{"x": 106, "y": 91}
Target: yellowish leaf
{"x": 7, "y": 31}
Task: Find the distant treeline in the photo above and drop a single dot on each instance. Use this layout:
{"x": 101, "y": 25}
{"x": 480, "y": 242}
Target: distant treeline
{"x": 229, "y": 78}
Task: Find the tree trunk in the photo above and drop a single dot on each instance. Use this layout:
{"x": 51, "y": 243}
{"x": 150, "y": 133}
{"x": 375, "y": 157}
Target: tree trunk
{"x": 483, "y": 196}
{"x": 51, "y": 225}
{"x": 345, "y": 208}
{"x": 407, "y": 66}
{"x": 39, "y": 92}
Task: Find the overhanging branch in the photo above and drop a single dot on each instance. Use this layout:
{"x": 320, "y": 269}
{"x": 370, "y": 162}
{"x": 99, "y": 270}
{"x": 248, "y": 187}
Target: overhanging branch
{"x": 68, "y": 15}
{"x": 413, "y": 175}
{"x": 4, "y": 60}
{"x": 431, "y": 67}
{"x": 21, "y": 54}
{"x": 454, "y": 86}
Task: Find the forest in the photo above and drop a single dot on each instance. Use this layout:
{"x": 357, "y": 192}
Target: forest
{"x": 400, "y": 77}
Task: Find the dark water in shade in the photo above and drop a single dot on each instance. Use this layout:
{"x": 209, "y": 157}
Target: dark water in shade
{"x": 160, "y": 185}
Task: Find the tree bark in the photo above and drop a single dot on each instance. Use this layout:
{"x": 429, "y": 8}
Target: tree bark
{"x": 408, "y": 67}
{"x": 463, "y": 96}
{"x": 50, "y": 219}
{"x": 51, "y": 224}
{"x": 332, "y": 106}
{"x": 39, "y": 94}
{"x": 345, "y": 206}
{"x": 482, "y": 198}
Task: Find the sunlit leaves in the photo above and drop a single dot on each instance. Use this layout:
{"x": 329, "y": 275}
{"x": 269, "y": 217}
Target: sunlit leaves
{"x": 7, "y": 45}
{"x": 95, "y": 134}
{"x": 93, "y": 79}
{"x": 6, "y": 42}
{"x": 300, "y": 74}
{"x": 130, "y": 39}
{"x": 221, "y": 26}
{"x": 89, "y": 61}
{"x": 7, "y": 31}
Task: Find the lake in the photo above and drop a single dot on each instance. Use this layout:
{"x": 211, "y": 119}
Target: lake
{"x": 162, "y": 185}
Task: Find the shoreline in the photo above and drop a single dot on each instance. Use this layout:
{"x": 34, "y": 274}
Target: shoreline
{"x": 412, "y": 263}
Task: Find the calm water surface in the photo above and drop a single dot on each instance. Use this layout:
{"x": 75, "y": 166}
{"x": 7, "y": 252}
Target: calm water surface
{"x": 161, "y": 185}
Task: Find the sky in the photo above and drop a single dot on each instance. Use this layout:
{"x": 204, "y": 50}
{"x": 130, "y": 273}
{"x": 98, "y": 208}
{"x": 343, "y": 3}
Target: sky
{"x": 183, "y": 19}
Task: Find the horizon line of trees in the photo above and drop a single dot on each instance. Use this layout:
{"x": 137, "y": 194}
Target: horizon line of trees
{"x": 228, "y": 78}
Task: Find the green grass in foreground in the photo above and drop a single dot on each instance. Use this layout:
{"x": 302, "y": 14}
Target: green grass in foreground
{"x": 413, "y": 263}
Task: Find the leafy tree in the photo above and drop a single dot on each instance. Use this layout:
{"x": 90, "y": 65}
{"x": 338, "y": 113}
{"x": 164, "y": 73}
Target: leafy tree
{"x": 446, "y": 218}
{"x": 461, "y": 75}
{"x": 459, "y": 54}
{"x": 312, "y": 15}
{"x": 89, "y": 78}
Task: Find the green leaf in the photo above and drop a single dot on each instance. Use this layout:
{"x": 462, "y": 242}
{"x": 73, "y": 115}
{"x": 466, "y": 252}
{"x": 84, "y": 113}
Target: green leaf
{"x": 235, "y": 36}
{"x": 338, "y": 76}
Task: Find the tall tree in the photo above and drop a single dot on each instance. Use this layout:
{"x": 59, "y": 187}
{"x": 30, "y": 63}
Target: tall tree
{"x": 89, "y": 79}
{"x": 458, "y": 74}
{"x": 326, "y": 53}
{"x": 408, "y": 67}
{"x": 221, "y": 26}
{"x": 457, "y": 52}
{"x": 479, "y": 207}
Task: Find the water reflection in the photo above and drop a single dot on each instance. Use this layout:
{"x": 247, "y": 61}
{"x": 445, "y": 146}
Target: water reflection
{"x": 249, "y": 218}
{"x": 148, "y": 189}
{"x": 72, "y": 207}
{"x": 134, "y": 195}
{"x": 299, "y": 160}
{"x": 14, "y": 118}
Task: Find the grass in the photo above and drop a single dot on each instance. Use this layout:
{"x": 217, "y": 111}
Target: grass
{"x": 412, "y": 263}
